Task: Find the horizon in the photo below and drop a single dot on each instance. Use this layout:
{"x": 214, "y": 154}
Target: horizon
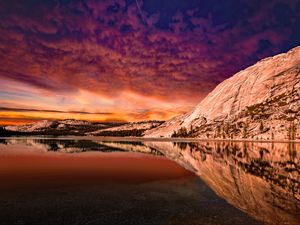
{"x": 51, "y": 119}
{"x": 130, "y": 61}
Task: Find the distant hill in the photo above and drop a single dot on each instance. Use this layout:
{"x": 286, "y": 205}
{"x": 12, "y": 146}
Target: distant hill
{"x": 80, "y": 128}
{"x": 60, "y": 127}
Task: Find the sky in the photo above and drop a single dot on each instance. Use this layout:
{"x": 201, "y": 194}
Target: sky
{"x": 132, "y": 60}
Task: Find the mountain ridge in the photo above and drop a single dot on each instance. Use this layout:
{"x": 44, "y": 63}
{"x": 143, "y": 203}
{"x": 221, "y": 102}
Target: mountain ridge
{"x": 80, "y": 127}
{"x": 259, "y": 83}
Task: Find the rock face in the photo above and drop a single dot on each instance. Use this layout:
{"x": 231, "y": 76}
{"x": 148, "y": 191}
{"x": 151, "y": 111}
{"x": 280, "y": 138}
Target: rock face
{"x": 260, "y": 102}
{"x": 40, "y": 125}
{"x": 128, "y": 129}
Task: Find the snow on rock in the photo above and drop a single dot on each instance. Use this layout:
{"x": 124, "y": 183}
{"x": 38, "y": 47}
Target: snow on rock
{"x": 46, "y": 124}
{"x": 144, "y": 125}
{"x": 40, "y": 125}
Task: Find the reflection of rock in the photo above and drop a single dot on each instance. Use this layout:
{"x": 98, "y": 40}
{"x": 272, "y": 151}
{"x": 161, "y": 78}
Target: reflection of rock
{"x": 173, "y": 152}
{"x": 71, "y": 150}
{"x": 132, "y": 147}
{"x": 261, "y": 179}
{"x": 34, "y": 144}
{"x": 77, "y": 146}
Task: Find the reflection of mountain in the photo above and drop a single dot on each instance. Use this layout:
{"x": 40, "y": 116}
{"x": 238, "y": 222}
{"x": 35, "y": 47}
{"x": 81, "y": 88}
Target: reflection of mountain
{"x": 260, "y": 179}
{"x": 66, "y": 146}
{"x": 77, "y": 146}
{"x": 132, "y": 147}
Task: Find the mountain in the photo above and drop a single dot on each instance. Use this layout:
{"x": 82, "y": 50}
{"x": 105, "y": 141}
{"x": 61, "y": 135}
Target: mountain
{"x": 260, "y": 102}
{"x": 128, "y": 129}
{"x": 40, "y": 125}
{"x": 61, "y": 127}
{"x": 80, "y": 127}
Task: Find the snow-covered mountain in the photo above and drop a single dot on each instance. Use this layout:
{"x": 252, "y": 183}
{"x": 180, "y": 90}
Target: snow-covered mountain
{"x": 83, "y": 127}
{"x": 68, "y": 126}
{"x": 36, "y": 126}
{"x": 260, "y": 102}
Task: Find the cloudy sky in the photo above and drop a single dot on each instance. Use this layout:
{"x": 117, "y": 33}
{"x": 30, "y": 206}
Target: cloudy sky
{"x": 128, "y": 60}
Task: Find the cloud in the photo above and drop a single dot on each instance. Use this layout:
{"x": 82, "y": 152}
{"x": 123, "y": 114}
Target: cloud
{"x": 7, "y": 109}
{"x": 177, "y": 55}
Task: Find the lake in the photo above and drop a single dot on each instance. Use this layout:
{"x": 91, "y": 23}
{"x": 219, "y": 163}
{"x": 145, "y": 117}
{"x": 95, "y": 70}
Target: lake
{"x": 71, "y": 180}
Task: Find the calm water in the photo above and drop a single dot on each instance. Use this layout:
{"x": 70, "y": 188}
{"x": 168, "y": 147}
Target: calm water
{"x": 56, "y": 181}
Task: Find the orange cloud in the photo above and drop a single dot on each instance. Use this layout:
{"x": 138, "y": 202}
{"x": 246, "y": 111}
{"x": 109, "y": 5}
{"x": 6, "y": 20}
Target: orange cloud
{"x": 101, "y": 56}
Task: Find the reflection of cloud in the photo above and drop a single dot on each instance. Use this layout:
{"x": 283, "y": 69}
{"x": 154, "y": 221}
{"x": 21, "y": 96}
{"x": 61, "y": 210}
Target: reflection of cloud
{"x": 63, "y": 51}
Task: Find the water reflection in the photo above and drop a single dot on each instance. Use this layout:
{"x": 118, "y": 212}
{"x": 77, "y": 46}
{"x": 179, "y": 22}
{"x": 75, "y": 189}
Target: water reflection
{"x": 78, "y": 146}
{"x": 261, "y": 179}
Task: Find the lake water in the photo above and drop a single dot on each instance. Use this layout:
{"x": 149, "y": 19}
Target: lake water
{"x": 119, "y": 181}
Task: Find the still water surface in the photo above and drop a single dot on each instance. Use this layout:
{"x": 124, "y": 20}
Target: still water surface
{"x": 74, "y": 181}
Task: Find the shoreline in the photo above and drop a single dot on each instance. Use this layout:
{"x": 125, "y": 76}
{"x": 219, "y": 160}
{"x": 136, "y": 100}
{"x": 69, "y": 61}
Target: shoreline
{"x": 147, "y": 139}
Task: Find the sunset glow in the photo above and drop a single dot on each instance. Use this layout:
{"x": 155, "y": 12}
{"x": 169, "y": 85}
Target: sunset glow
{"x": 110, "y": 61}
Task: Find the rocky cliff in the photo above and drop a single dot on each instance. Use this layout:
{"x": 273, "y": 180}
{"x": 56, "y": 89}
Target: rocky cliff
{"x": 129, "y": 129}
{"x": 260, "y": 102}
